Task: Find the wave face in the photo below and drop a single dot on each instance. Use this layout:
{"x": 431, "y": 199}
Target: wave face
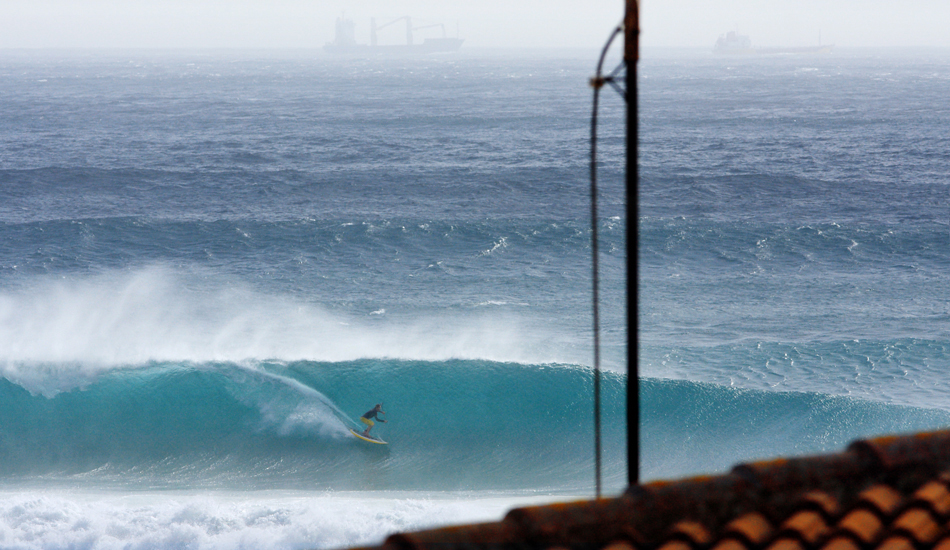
{"x": 693, "y": 427}
{"x": 452, "y": 425}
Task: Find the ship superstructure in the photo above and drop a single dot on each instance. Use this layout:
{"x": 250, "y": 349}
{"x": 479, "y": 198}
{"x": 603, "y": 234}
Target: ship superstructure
{"x": 733, "y": 43}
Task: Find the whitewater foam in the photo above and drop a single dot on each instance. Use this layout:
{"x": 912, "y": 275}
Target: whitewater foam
{"x": 272, "y": 520}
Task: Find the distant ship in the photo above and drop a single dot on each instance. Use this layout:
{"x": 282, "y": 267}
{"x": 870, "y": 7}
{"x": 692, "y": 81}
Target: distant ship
{"x": 345, "y": 40}
{"x": 733, "y": 43}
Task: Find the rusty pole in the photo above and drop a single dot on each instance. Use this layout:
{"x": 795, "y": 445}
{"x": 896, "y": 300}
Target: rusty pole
{"x": 631, "y": 54}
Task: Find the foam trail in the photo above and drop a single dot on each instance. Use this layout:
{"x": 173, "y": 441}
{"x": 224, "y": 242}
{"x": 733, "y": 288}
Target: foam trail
{"x": 327, "y": 410}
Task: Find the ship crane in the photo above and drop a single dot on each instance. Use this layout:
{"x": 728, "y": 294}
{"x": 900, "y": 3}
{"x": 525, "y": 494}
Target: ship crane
{"x": 409, "y": 28}
{"x": 345, "y": 41}
{"x": 373, "y": 28}
{"x": 430, "y": 26}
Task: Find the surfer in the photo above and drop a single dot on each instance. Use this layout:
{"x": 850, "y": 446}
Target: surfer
{"x": 368, "y": 418}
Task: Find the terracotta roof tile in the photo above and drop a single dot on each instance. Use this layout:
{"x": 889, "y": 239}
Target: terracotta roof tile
{"x": 677, "y": 545}
{"x": 662, "y": 504}
{"x": 883, "y": 499}
{"x": 917, "y": 524}
{"x": 862, "y": 524}
{"x": 752, "y": 528}
{"x": 918, "y": 456}
{"x": 807, "y": 525}
{"x": 823, "y": 503}
{"x": 692, "y": 532}
{"x": 786, "y": 544}
{"x": 935, "y": 495}
{"x": 731, "y": 544}
{"x": 841, "y": 543}
{"x": 465, "y": 536}
{"x": 836, "y": 475}
{"x": 896, "y": 543}
{"x": 576, "y": 523}
{"x": 889, "y": 493}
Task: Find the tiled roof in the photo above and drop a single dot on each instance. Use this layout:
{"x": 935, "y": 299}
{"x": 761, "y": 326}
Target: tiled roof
{"x": 889, "y": 493}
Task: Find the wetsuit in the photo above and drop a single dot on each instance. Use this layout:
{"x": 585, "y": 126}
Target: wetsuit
{"x": 371, "y": 414}
{"x": 368, "y": 417}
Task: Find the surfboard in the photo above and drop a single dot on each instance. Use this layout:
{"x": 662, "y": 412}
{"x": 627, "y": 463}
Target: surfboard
{"x": 371, "y": 439}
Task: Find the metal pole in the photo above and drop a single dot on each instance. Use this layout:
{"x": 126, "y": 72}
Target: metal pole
{"x": 597, "y": 83}
{"x": 631, "y": 55}
{"x": 595, "y": 278}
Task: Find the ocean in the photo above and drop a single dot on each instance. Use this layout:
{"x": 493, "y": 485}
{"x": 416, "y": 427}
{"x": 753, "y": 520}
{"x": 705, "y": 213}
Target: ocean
{"x": 214, "y": 262}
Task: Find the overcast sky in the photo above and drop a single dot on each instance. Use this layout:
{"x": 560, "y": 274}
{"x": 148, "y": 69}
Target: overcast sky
{"x": 483, "y": 23}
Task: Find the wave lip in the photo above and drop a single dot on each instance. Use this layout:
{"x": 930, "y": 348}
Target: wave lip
{"x": 157, "y": 314}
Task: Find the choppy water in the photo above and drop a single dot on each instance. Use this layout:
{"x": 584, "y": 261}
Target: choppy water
{"x": 212, "y": 264}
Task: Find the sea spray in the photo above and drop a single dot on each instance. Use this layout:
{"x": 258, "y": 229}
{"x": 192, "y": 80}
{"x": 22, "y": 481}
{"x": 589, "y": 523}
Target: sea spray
{"x": 84, "y": 324}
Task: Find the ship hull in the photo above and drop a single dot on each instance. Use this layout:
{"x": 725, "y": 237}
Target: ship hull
{"x": 794, "y": 51}
{"x": 430, "y": 45}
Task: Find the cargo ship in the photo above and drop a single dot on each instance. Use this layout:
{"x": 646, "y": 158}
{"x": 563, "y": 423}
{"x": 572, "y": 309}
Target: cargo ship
{"x": 345, "y": 39}
{"x": 733, "y": 43}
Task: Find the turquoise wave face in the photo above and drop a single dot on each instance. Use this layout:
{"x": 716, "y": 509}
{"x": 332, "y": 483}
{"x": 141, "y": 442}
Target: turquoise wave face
{"x": 692, "y": 427}
{"x": 452, "y": 425}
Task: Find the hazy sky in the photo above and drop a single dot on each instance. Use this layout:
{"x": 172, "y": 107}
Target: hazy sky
{"x": 483, "y": 23}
